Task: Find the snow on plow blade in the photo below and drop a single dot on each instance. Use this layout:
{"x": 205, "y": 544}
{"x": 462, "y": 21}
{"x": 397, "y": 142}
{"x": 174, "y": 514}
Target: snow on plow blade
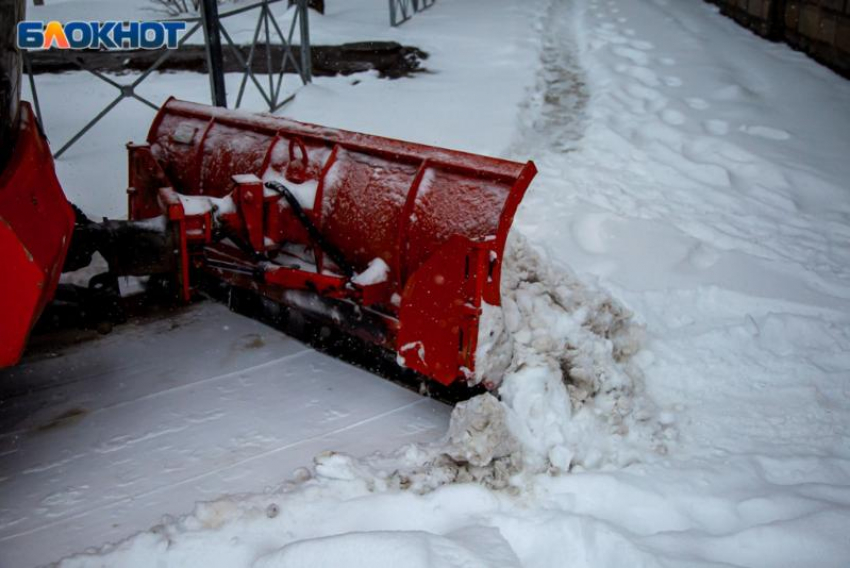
{"x": 396, "y": 242}
{"x": 36, "y": 223}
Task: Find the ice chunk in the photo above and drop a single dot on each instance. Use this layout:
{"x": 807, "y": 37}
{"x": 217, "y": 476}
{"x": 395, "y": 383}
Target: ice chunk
{"x": 494, "y": 351}
{"x": 478, "y": 433}
{"x": 378, "y": 271}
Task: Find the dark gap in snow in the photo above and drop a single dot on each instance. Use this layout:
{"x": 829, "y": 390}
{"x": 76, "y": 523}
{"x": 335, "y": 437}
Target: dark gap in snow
{"x": 390, "y": 59}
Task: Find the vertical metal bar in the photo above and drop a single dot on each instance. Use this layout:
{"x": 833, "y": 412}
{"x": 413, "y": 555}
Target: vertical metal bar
{"x": 215, "y": 58}
{"x": 265, "y": 13}
{"x": 392, "y": 12}
{"x": 306, "y": 61}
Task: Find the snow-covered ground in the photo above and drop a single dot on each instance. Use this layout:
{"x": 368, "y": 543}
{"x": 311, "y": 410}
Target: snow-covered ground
{"x": 696, "y": 172}
{"x": 103, "y": 438}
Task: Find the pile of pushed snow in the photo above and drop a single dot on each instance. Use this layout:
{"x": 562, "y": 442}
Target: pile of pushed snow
{"x": 559, "y": 356}
{"x": 561, "y": 352}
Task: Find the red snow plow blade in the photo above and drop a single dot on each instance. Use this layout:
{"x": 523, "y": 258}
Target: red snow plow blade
{"x": 36, "y": 223}
{"x": 395, "y": 242}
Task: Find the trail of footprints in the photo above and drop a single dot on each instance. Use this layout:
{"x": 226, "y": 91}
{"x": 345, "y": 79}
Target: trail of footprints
{"x": 638, "y": 55}
{"x": 700, "y": 140}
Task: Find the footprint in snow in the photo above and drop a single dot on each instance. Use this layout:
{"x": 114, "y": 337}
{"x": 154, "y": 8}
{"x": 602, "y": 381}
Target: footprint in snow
{"x": 642, "y": 45}
{"x": 729, "y": 93}
{"x": 702, "y": 256}
{"x": 716, "y": 126}
{"x": 650, "y": 100}
{"x": 672, "y": 117}
{"x": 765, "y": 132}
{"x": 642, "y": 74}
{"x": 590, "y": 234}
{"x": 635, "y": 56}
{"x": 697, "y": 103}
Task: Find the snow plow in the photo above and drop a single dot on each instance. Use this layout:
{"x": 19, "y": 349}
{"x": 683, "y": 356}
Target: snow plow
{"x": 395, "y": 243}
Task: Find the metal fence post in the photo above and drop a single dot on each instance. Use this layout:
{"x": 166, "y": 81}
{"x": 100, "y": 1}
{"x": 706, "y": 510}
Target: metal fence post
{"x": 215, "y": 58}
{"x": 392, "y": 13}
{"x": 306, "y": 56}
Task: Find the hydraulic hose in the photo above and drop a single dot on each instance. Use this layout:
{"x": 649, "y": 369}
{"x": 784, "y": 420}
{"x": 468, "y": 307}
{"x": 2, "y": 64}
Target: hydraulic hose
{"x": 317, "y": 237}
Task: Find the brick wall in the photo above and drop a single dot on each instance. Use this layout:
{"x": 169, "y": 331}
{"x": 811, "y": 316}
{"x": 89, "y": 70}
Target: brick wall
{"x": 820, "y": 28}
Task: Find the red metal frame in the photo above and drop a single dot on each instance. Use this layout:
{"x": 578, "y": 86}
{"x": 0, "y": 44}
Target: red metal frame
{"x": 36, "y": 223}
{"x": 439, "y": 218}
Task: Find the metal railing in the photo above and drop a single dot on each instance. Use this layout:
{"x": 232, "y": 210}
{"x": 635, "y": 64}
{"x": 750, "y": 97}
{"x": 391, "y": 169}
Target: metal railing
{"x": 211, "y": 23}
{"x": 403, "y": 10}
